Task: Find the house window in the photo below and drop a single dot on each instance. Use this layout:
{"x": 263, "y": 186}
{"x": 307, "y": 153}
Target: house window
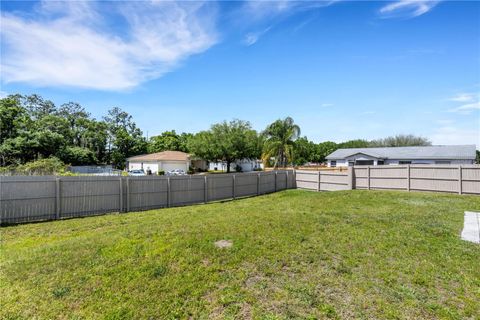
{"x": 333, "y": 163}
{"x": 443, "y": 162}
{"x": 351, "y": 163}
{"x": 380, "y": 162}
{"x": 364, "y": 162}
{"x": 404, "y": 162}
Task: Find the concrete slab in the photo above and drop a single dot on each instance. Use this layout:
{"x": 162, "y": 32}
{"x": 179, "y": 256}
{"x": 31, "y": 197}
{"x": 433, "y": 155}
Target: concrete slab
{"x": 471, "y": 227}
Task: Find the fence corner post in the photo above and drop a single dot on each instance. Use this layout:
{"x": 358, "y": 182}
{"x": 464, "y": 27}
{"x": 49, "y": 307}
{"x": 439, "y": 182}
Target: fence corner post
{"x": 128, "y": 193}
{"x": 205, "y": 186}
{"x": 408, "y": 177}
{"x": 258, "y": 184}
{"x": 276, "y": 179}
{"x": 57, "y": 198}
{"x": 168, "y": 192}
{"x": 350, "y": 178}
{"x": 318, "y": 182}
{"x": 368, "y": 177}
{"x": 233, "y": 186}
{"x": 294, "y": 179}
{"x": 286, "y": 180}
{"x": 460, "y": 179}
{"x": 120, "y": 209}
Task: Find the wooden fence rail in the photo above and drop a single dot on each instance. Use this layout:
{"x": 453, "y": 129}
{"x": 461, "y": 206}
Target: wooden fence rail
{"x": 36, "y": 198}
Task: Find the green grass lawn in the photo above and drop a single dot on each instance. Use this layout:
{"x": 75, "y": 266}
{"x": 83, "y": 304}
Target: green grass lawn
{"x": 295, "y": 254}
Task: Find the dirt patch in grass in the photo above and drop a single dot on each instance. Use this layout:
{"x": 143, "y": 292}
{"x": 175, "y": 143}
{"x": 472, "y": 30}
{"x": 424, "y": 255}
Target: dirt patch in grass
{"x": 222, "y": 244}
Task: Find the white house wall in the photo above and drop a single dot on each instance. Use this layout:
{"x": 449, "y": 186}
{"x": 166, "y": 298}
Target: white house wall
{"x": 344, "y": 162}
{"x": 155, "y": 166}
{"x": 246, "y": 165}
{"x": 172, "y": 165}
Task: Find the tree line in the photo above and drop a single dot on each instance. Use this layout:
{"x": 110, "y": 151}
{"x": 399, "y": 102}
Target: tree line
{"x": 33, "y": 128}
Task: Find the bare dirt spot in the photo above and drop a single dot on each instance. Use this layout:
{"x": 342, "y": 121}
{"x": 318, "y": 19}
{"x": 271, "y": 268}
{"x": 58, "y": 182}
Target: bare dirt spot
{"x": 223, "y": 244}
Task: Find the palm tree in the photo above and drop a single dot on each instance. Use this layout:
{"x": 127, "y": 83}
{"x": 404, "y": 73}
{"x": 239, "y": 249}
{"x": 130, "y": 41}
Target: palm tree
{"x": 279, "y": 141}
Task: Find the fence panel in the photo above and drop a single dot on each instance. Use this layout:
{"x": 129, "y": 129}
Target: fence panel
{"x": 470, "y": 180}
{"x": 85, "y": 196}
{"x": 27, "y": 198}
{"x": 186, "y": 190}
{"x": 220, "y": 187}
{"x": 333, "y": 181}
{"x": 388, "y": 177}
{"x": 434, "y": 178}
{"x": 282, "y": 180}
{"x": 246, "y": 184}
{"x": 146, "y": 193}
{"x": 267, "y": 183}
{"x": 307, "y": 179}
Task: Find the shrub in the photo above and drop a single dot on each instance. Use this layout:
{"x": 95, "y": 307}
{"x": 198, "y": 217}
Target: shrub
{"x": 161, "y": 172}
{"x": 47, "y": 166}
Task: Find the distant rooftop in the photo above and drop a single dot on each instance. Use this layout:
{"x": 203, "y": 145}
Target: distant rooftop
{"x": 164, "y": 155}
{"x": 464, "y": 152}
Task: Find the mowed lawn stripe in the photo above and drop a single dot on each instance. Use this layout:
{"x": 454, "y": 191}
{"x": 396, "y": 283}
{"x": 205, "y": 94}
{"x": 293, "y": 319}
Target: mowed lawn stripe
{"x": 294, "y": 254}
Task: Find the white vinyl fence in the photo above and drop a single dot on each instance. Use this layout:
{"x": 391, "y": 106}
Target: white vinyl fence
{"x": 461, "y": 179}
{"x": 36, "y": 198}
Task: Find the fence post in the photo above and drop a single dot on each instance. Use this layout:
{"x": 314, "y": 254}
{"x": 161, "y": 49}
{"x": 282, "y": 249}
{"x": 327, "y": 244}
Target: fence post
{"x": 57, "y": 198}
{"x": 168, "y": 192}
{"x": 233, "y": 186}
{"x": 294, "y": 179}
{"x": 258, "y": 184}
{"x": 459, "y": 179}
{"x": 276, "y": 175}
{"x": 205, "y": 186}
{"x": 350, "y": 178}
{"x": 121, "y": 195}
{"x": 318, "y": 182}
{"x": 368, "y": 177}
{"x": 286, "y": 180}
{"x": 408, "y": 177}
{"x": 128, "y": 193}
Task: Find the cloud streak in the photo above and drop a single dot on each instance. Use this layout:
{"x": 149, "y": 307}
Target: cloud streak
{"x": 470, "y": 103}
{"x": 67, "y": 44}
{"x": 252, "y": 37}
{"x": 407, "y": 8}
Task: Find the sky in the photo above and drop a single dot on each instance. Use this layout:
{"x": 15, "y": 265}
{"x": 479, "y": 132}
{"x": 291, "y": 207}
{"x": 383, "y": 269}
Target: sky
{"x": 341, "y": 69}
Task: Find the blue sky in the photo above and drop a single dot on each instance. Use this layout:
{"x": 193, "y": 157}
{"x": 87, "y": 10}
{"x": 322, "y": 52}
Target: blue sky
{"x": 343, "y": 70}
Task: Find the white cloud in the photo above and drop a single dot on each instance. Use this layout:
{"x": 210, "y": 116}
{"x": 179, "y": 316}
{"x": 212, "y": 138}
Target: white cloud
{"x": 257, "y": 13}
{"x": 3, "y": 94}
{"x": 252, "y": 37}
{"x": 69, "y": 43}
{"x": 470, "y": 102}
{"x": 463, "y": 97}
{"x": 466, "y": 108}
{"x": 407, "y": 8}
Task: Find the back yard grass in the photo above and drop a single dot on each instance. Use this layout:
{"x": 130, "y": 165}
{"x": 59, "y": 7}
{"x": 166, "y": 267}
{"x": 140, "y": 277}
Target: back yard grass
{"x": 295, "y": 254}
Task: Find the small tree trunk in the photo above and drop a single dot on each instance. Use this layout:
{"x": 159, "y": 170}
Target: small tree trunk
{"x": 228, "y": 166}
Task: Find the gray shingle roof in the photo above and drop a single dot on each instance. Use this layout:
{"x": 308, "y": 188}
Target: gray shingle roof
{"x": 465, "y": 152}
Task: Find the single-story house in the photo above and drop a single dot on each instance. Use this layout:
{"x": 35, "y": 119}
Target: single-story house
{"x": 443, "y": 154}
{"x": 160, "y": 161}
{"x": 246, "y": 165}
